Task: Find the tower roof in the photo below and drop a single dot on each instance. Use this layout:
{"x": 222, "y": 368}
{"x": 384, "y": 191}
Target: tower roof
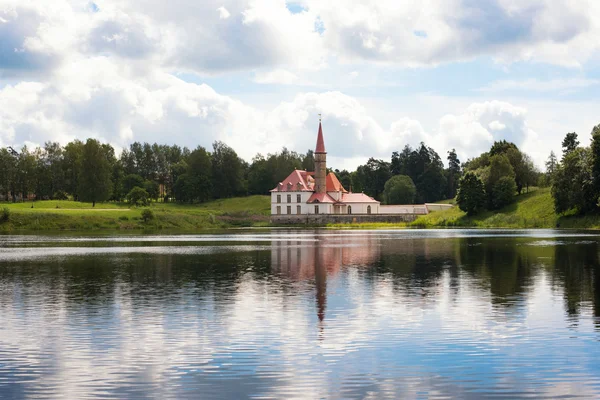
{"x": 320, "y": 142}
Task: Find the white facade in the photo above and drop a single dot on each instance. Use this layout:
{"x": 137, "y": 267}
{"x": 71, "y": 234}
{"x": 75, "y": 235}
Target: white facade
{"x": 286, "y": 203}
{"x": 295, "y": 203}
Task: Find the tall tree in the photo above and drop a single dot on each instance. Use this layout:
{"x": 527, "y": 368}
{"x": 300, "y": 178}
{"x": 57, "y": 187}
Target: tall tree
{"x": 551, "y": 164}
{"x": 95, "y": 176}
{"x": 453, "y": 173}
{"x": 195, "y": 185}
{"x": 72, "y": 159}
{"x": 228, "y": 172}
{"x": 471, "y": 197}
{"x": 569, "y": 143}
{"x": 572, "y": 186}
{"x": 595, "y": 149}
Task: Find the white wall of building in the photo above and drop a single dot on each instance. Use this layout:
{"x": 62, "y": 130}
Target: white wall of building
{"x": 362, "y": 208}
{"x": 284, "y": 204}
{"x": 403, "y": 209}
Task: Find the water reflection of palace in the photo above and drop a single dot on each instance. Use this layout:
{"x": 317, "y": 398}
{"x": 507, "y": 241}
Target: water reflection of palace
{"x": 321, "y": 256}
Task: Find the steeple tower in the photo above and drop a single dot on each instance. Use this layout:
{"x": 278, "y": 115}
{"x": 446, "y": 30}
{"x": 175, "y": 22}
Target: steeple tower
{"x": 320, "y": 163}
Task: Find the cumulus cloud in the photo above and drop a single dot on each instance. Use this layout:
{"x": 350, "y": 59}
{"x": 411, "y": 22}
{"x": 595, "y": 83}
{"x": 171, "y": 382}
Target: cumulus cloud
{"x": 279, "y": 76}
{"x": 537, "y": 85}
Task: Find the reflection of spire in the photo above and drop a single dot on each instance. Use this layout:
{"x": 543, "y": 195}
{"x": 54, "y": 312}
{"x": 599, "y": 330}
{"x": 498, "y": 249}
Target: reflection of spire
{"x": 321, "y": 284}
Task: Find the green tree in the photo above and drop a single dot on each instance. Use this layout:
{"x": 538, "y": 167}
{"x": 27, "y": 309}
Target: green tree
{"x": 551, "y": 165}
{"x": 501, "y": 147}
{"x": 572, "y": 186}
{"x": 471, "y": 196}
{"x": 503, "y": 192}
{"x": 595, "y": 150}
{"x": 399, "y": 189}
{"x": 94, "y": 178}
{"x": 453, "y": 174}
{"x": 138, "y": 197}
{"x": 570, "y": 143}
{"x": 372, "y": 177}
{"x": 8, "y": 166}
{"x": 72, "y": 159}
{"x": 228, "y": 171}
{"x": 131, "y": 181}
{"x": 195, "y": 184}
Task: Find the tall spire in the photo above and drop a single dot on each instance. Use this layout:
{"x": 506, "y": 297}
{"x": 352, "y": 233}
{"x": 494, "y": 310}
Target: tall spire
{"x": 320, "y": 142}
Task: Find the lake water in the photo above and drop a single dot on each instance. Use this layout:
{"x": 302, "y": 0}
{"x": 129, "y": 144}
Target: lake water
{"x": 301, "y": 314}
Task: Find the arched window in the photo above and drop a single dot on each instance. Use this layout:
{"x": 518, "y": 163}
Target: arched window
{"x": 368, "y": 209}
{"x": 349, "y": 209}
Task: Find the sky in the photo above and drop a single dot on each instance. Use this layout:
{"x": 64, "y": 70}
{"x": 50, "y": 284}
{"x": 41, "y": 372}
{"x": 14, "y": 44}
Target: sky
{"x": 256, "y": 74}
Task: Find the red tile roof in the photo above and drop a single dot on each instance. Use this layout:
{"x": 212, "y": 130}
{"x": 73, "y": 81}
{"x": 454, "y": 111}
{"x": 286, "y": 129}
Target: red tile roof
{"x": 333, "y": 184}
{"x": 297, "y": 181}
{"x": 357, "y": 198}
{"x": 321, "y": 198}
{"x": 320, "y": 142}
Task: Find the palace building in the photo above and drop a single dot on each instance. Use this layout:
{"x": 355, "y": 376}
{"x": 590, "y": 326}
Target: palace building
{"x": 306, "y": 193}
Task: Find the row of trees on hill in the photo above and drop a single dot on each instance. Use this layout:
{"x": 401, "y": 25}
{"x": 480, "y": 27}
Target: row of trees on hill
{"x": 92, "y": 171}
{"x": 492, "y": 180}
{"x": 575, "y": 178}
{"x": 412, "y": 176}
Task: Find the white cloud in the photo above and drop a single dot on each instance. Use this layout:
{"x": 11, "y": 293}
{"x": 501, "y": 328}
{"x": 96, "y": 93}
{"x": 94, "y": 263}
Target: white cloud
{"x": 278, "y": 76}
{"x": 223, "y": 13}
{"x": 536, "y": 85}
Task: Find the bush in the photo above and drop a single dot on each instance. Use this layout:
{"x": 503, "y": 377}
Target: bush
{"x": 123, "y": 218}
{"x": 147, "y": 215}
{"x": 471, "y": 194}
{"x": 60, "y": 195}
{"x": 5, "y": 215}
{"x": 138, "y": 197}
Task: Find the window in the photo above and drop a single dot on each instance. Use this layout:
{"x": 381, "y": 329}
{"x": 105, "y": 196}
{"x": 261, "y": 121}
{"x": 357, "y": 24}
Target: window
{"x": 368, "y": 209}
{"x": 289, "y": 210}
{"x": 278, "y": 210}
{"x": 316, "y": 209}
{"x": 289, "y": 198}
{"x": 349, "y": 209}
{"x": 298, "y": 210}
{"x": 279, "y": 198}
{"x": 298, "y": 198}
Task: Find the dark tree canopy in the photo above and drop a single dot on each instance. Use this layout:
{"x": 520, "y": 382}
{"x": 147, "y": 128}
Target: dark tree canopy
{"x": 471, "y": 196}
{"x": 399, "y": 189}
{"x": 570, "y": 143}
{"x": 94, "y": 178}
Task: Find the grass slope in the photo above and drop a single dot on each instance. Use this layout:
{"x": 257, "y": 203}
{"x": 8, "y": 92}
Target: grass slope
{"x": 530, "y": 210}
{"x": 70, "y": 215}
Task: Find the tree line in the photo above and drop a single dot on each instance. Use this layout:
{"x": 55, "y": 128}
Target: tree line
{"x": 492, "y": 180}
{"x": 91, "y": 171}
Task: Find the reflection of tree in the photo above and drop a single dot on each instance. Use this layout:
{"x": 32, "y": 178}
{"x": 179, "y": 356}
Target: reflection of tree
{"x": 577, "y": 269}
{"x": 498, "y": 264}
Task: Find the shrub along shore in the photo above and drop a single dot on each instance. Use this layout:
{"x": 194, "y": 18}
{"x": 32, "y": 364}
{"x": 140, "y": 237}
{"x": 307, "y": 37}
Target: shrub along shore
{"x": 531, "y": 210}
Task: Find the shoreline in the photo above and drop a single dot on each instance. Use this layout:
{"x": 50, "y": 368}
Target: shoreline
{"x": 533, "y": 210}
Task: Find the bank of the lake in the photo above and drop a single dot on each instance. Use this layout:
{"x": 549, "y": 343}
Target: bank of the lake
{"x": 531, "y": 210}
{"x": 70, "y": 215}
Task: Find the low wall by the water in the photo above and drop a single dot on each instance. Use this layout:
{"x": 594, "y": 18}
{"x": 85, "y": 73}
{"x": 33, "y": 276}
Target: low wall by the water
{"x": 324, "y": 219}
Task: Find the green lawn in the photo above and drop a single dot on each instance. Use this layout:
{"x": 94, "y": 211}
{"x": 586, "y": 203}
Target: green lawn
{"x": 530, "y": 210}
{"x": 71, "y": 215}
